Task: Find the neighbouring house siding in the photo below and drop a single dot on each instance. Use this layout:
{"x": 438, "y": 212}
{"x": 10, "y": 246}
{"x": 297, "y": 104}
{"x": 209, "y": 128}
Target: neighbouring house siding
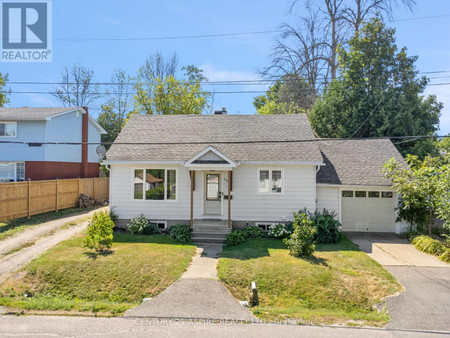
{"x": 64, "y": 128}
{"x": 247, "y": 204}
{"x": 328, "y": 198}
{"x": 94, "y": 136}
{"x": 27, "y": 131}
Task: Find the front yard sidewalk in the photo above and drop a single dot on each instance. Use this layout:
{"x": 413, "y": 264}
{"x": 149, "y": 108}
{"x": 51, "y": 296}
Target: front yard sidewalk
{"x": 197, "y": 295}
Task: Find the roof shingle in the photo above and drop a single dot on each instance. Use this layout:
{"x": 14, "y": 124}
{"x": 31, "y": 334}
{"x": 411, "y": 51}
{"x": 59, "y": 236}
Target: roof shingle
{"x": 31, "y": 114}
{"x": 171, "y": 133}
{"x": 356, "y": 162}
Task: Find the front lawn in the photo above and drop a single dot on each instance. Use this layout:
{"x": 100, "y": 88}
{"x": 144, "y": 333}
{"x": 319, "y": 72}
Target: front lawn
{"x": 75, "y": 279}
{"x": 12, "y": 227}
{"x": 339, "y": 284}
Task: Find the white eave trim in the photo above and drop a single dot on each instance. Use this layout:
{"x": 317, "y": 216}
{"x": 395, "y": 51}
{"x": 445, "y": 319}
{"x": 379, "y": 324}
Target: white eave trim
{"x": 355, "y": 186}
{"x": 189, "y": 163}
{"x": 283, "y": 163}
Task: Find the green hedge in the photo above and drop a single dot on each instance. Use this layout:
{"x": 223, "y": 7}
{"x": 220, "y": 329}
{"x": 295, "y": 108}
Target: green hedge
{"x": 432, "y": 246}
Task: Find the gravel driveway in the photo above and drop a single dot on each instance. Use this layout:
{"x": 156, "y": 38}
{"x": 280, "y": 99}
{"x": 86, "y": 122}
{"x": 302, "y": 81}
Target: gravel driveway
{"x": 425, "y": 303}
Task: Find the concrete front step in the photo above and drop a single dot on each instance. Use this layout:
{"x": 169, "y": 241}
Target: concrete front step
{"x": 209, "y": 240}
{"x": 211, "y": 231}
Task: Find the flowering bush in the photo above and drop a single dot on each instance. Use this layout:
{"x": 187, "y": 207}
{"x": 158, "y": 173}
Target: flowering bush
{"x": 142, "y": 226}
{"x": 279, "y": 231}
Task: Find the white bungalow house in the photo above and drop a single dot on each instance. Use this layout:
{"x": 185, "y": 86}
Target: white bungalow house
{"x": 243, "y": 170}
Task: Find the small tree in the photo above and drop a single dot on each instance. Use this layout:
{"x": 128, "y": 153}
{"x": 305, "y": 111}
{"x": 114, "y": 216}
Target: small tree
{"x": 424, "y": 186}
{"x": 301, "y": 243}
{"x": 99, "y": 232}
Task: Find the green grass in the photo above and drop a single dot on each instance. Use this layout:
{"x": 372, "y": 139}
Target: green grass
{"x": 339, "y": 284}
{"x": 9, "y": 228}
{"x": 75, "y": 279}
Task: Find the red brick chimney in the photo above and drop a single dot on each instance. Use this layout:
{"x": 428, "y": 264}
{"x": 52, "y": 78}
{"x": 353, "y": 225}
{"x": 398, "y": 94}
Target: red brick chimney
{"x": 84, "y": 138}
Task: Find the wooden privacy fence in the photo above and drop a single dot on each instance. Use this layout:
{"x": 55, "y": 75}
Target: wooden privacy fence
{"x": 24, "y": 199}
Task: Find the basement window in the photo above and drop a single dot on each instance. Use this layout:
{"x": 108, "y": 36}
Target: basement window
{"x": 264, "y": 226}
{"x": 160, "y": 224}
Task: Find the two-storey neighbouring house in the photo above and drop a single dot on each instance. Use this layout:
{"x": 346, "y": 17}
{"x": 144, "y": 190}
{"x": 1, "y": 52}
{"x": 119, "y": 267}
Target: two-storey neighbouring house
{"x": 25, "y": 154}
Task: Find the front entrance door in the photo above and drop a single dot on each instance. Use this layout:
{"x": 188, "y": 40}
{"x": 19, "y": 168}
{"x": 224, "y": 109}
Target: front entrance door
{"x": 213, "y": 194}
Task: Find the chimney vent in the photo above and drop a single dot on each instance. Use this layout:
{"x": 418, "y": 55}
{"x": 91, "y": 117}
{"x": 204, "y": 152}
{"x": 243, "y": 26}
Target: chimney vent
{"x": 221, "y": 112}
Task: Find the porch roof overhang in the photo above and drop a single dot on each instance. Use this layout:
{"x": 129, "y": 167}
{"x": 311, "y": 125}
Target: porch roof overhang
{"x": 216, "y": 161}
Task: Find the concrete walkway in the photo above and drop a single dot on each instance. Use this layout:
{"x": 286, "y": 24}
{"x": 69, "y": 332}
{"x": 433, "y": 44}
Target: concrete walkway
{"x": 198, "y": 294}
{"x": 391, "y": 249}
{"x": 425, "y": 303}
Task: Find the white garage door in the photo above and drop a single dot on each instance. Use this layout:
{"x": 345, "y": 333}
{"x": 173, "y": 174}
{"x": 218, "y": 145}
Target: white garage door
{"x": 368, "y": 211}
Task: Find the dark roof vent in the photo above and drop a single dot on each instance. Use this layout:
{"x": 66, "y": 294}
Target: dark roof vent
{"x": 221, "y": 112}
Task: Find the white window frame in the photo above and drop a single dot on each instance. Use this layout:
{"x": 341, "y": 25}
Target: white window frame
{"x": 160, "y": 222}
{"x": 15, "y": 170}
{"x": 15, "y": 129}
{"x": 270, "y": 192}
{"x": 133, "y": 170}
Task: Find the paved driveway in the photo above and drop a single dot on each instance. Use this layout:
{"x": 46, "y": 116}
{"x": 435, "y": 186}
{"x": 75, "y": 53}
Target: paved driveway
{"x": 425, "y": 303}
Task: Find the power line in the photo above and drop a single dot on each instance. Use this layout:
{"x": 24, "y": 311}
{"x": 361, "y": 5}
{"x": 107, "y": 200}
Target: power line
{"x": 36, "y": 144}
{"x": 175, "y": 37}
{"x": 223, "y": 82}
{"x": 421, "y": 18}
{"x": 209, "y": 92}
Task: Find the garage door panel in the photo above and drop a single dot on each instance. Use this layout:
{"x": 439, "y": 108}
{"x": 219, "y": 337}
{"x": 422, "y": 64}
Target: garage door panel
{"x": 375, "y": 214}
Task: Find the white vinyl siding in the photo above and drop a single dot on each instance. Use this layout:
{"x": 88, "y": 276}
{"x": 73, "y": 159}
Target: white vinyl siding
{"x": 299, "y": 191}
{"x": 328, "y": 198}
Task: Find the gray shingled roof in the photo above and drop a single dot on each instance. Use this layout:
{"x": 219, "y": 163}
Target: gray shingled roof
{"x": 356, "y": 162}
{"x": 31, "y": 114}
{"x": 210, "y": 129}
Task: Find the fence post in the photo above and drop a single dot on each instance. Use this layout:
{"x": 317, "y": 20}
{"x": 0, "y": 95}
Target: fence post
{"x": 56, "y": 198}
{"x": 29, "y": 199}
{"x": 93, "y": 188}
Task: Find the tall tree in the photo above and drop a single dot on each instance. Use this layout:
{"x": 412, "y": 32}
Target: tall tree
{"x": 4, "y": 92}
{"x": 159, "y": 89}
{"x": 309, "y": 47}
{"x": 289, "y": 95}
{"x": 377, "y": 93}
{"x": 115, "y": 110}
{"x": 76, "y": 88}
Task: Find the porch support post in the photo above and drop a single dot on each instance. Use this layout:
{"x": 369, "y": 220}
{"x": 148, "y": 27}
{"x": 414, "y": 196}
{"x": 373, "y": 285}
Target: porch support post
{"x": 229, "y": 198}
{"x": 192, "y": 173}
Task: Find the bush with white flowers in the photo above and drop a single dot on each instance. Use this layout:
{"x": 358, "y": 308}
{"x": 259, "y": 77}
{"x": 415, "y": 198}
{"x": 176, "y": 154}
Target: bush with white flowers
{"x": 279, "y": 231}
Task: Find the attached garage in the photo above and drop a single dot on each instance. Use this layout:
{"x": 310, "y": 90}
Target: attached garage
{"x": 368, "y": 210}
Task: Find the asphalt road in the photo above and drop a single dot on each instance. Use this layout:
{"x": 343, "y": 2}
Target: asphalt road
{"x": 50, "y": 326}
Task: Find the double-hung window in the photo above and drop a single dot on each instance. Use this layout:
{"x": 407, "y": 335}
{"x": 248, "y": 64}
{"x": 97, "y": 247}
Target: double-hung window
{"x": 12, "y": 171}
{"x": 8, "y": 129}
{"x": 270, "y": 181}
{"x": 155, "y": 184}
